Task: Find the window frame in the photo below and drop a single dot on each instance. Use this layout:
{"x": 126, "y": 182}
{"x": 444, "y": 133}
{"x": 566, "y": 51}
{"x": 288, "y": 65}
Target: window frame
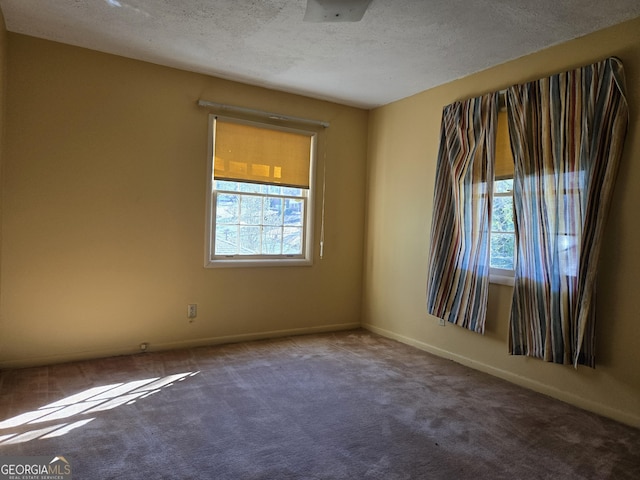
{"x": 502, "y": 276}
{"x": 211, "y": 260}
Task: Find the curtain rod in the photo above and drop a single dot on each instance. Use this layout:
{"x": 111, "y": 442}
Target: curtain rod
{"x": 261, "y": 113}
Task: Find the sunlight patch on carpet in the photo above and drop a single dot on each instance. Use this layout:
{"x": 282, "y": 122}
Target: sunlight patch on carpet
{"x": 21, "y": 428}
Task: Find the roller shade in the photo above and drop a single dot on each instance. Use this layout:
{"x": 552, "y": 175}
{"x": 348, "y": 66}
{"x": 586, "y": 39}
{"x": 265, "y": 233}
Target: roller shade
{"x": 249, "y": 153}
{"x": 503, "y": 167}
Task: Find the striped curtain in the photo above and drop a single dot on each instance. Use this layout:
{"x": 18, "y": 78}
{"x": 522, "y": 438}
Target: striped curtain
{"x": 567, "y": 133}
{"x": 458, "y": 278}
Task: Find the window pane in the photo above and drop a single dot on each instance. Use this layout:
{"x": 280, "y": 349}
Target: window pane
{"x": 292, "y": 192}
{"x": 292, "y": 240}
{"x": 272, "y": 240}
{"x": 250, "y": 240}
{"x": 224, "y": 185}
{"x": 502, "y": 250}
{"x": 273, "y": 211}
{"x": 250, "y": 187}
{"x": 293, "y": 211}
{"x": 250, "y": 210}
{"x": 502, "y": 218}
{"x": 503, "y": 186}
{"x": 261, "y": 223}
{"x": 227, "y": 208}
{"x": 226, "y": 240}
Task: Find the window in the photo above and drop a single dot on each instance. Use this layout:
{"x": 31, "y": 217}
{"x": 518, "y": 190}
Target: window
{"x": 259, "y": 210}
{"x": 503, "y": 236}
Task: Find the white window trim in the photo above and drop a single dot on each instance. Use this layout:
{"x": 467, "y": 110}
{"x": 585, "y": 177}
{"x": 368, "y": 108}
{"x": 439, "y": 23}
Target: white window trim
{"x": 501, "y": 276}
{"x": 213, "y": 261}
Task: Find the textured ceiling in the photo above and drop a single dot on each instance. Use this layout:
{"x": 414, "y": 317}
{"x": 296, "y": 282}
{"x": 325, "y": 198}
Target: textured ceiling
{"x": 399, "y": 48}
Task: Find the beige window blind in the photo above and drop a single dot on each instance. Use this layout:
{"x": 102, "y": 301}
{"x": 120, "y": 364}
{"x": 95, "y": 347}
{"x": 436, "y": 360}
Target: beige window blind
{"x": 503, "y": 168}
{"x": 249, "y": 153}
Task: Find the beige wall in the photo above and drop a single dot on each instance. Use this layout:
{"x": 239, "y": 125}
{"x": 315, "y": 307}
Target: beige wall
{"x": 403, "y": 142}
{"x": 104, "y": 207}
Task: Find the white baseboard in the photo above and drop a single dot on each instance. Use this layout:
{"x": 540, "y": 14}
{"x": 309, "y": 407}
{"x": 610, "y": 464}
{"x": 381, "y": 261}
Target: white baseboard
{"x": 156, "y": 347}
{"x": 595, "y": 407}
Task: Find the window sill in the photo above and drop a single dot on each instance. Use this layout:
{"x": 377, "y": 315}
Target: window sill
{"x": 280, "y": 262}
{"x": 504, "y": 277}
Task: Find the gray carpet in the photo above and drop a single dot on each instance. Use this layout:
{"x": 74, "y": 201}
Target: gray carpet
{"x": 350, "y": 405}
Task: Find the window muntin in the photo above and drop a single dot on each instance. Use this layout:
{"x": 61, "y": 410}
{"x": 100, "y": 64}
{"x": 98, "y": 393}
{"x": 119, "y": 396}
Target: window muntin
{"x": 260, "y": 222}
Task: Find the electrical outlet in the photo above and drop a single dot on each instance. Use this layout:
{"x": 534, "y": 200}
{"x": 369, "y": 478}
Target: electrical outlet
{"x": 441, "y": 322}
{"x": 192, "y": 310}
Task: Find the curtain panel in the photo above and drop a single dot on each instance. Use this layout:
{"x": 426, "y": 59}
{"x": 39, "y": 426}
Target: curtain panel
{"x": 458, "y": 280}
{"x": 567, "y": 133}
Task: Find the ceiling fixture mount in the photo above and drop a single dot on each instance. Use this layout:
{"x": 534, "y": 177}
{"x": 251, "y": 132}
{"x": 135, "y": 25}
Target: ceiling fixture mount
{"x": 335, "y": 10}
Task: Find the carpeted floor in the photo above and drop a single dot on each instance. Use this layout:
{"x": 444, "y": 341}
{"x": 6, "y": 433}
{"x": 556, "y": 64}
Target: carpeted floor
{"x": 349, "y": 405}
